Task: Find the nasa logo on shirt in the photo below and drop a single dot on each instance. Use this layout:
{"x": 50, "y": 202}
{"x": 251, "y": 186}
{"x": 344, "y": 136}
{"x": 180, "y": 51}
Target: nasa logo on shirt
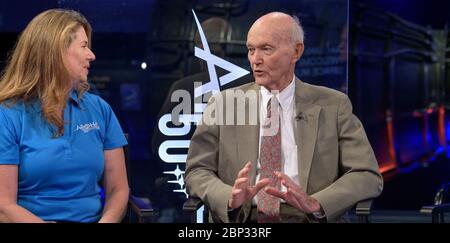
{"x": 88, "y": 127}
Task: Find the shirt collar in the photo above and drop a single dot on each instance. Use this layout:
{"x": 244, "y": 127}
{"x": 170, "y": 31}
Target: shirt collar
{"x": 74, "y": 96}
{"x": 285, "y": 97}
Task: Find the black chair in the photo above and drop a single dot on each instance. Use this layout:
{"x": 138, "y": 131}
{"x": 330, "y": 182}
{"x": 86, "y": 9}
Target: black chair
{"x": 138, "y": 208}
{"x": 440, "y": 206}
{"x": 362, "y": 210}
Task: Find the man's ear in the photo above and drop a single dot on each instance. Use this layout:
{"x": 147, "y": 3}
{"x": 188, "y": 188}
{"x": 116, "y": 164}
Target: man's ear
{"x": 299, "y": 48}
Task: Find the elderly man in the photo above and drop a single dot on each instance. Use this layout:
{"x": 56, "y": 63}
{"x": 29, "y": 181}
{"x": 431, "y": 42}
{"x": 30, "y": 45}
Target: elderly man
{"x": 315, "y": 166}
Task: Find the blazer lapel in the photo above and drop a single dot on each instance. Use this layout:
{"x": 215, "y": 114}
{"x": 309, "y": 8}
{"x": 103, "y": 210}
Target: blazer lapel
{"x": 305, "y": 129}
{"x": 248, "y": 137}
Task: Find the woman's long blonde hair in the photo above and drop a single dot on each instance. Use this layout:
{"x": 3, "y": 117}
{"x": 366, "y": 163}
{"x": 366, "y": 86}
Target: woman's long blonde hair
{"x": 36, "y": 70}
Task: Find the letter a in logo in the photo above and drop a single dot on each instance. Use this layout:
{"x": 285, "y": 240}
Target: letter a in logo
{"x": 235, "y": 71}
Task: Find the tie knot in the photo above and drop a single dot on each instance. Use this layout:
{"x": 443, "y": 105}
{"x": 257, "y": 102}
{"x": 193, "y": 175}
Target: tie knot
{"x": 271, "y": 124}
{"x": 272, "y": 104}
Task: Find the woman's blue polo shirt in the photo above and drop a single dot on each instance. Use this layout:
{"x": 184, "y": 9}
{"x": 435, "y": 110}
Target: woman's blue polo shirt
{"x": 58, "y": 177}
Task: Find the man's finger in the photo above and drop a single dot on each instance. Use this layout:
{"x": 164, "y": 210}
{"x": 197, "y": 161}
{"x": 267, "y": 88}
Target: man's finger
{"x": 235, "y": 192}
{"x": 238, "y": 183}
{"x": 262, "y": 183}
{"x": 296, "y": 191}
{"x": 244, "y": 171}
{"x": 274, "y": 192}
{"x": 287, "y": 181}
{"x": 291, "y": 199}
{"x": 304, "y": 201}
{"x": 259, "y": 185}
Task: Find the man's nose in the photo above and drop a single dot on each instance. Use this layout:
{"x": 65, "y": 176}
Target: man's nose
{"x": 257, "y": 57}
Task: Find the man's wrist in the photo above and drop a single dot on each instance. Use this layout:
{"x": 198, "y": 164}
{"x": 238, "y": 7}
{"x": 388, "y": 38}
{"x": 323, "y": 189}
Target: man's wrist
{"x": 319, "y": 213}
{"x": 233, "y": 213}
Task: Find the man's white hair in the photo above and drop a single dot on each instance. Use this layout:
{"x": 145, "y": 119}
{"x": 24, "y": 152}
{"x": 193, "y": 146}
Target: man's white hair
{"x": 297, "y": 35}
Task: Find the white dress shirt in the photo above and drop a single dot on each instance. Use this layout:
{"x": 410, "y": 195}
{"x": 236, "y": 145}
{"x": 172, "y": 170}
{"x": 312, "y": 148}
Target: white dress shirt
{"x": 289, "y": 162}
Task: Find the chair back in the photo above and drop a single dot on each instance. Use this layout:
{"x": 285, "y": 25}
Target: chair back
{"x": 442, "y": 196}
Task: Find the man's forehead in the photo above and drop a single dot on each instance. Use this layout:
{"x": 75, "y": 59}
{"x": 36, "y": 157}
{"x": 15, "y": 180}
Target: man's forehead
{"x": 266, "y": 35}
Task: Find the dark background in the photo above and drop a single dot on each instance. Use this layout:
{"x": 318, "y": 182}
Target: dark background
{"x": 397, "y": 76}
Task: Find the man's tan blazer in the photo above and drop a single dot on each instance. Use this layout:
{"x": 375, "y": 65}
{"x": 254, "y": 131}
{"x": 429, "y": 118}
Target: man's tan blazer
{"x": 336, "y": 163}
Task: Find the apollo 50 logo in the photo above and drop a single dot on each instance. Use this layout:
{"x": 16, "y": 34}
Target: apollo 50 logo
{"x": 185, "y": 120}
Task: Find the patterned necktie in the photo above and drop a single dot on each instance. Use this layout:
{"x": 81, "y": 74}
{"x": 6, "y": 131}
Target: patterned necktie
{"x": 270, "y": 161}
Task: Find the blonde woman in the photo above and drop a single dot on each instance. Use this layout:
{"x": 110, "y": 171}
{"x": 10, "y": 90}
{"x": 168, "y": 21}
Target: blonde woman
{"x": 57, "y": 140}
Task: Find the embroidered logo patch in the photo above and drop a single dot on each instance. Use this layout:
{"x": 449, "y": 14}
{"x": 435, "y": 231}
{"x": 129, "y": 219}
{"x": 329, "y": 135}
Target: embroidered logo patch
{"x": 88, "y": 127}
